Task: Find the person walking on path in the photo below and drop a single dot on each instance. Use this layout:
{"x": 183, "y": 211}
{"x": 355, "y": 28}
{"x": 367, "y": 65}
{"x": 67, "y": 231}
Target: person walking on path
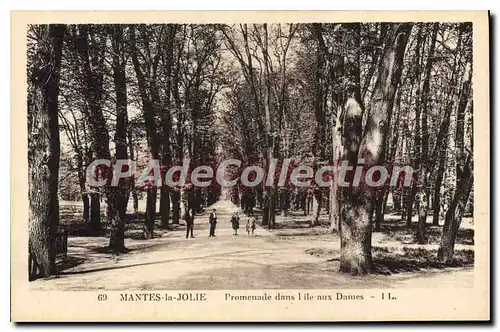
{"x": 213, "y": 223}
{"x": 250, "y": 226}
{"x": 235, "y": 221}
{"x": 189, "y": 224}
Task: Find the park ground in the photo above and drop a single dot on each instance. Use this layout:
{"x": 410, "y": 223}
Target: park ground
{"x": 293, "y": 256}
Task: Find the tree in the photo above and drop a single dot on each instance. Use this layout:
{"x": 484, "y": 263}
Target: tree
{"x": 73, "y": 125}
{"x": 418, "y": 160}
{"x": 262, "y": 53}
{"x": 464, "y": 181}
{"x": 455, "y": 212}
{"x": 369, "y": 93}
{"x": 120, "y": 194}
{"x": 43, "y": 146}
{"x": 203, "y": 78}
{"x": 91, "y": 58}
{"x": 355, "y": 250}
{"x": 424, "y": 153}
{"x": 428, "y": 163}
{"x": 245, "y": 58}
{"x": 147, "y": 73}
{"x": 166, "y": 121}
{"x": 90, "y": 45}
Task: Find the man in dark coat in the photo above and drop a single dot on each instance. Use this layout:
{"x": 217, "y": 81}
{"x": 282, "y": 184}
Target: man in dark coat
{"x": 213, "y": 223}
{"x": 189, "y": 223}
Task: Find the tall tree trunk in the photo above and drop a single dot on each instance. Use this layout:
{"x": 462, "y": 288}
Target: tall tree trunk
{"x": 337, "y": 149}
{"x": 272, "y": 209}
{"x": 91, "y": 44}
{"x": 390, "y": 149}
{"x": 459, "y": 128}
{"x": 165, "y": 206}
{"x": 44, "y": 150}
{"x": 441, "y": 141}
{"x": 166, "y": 124}
{"x": 80, "y": 40}
{"x": 86, "y": 208}
{"x": 375, "y": 60}
{"x": 95, "y": 212}
{"x": 403, "y": 207}
{"x": 455, "y": 212}
{"x": 147, "y": 91}
{"x": 72, "y": 133}
{"x": 316, "y": 207}
{"x": 83, "y": 190}
{"x": 265, "y": 207}
{"x": 284, "y": 201}
{"x": 436, "y": 202}
{"x": 380, "y": 205}
{"x": 356, "y": 228}
{"x": 136, "y": 201}
{"x": 424, "y": 152}
{"x": 410, "y": 202}
{"x": 417, "y": 148}
{"x": 465, "y": 177}
{"x": 334, "y": 67}
{"x": 135, "y": 197}
{"x": 120, "y": 193}
{"x": 270, "y": 198}
{"x": 149, "y": 223}
{"x": 422, "y": 217}
{"x": 176, "y": 206}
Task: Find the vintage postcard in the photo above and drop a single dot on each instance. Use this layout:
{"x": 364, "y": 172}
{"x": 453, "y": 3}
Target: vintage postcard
{"x": 250, "y": 166}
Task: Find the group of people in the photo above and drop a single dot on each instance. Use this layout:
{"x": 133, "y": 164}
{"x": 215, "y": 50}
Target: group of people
{"x": 212, "y": 219}
{"x": 250, "y": 226}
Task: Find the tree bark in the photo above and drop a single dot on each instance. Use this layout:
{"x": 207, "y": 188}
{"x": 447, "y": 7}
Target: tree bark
{"x": 418, "y": 160}
{"x": 176, "y": 206}
{"x": 95, "y": 213}
{"x": 436, "y": 202}
{"x": 147, "y": 90}
{"x": 380, "y": 208}
{"x": 165, "y": 206}
{"x": 284, "y": 202}
{"x": 375, "y": 60}
{"x": 86, "y": 208}
{"x": 316, "y": 207}
{"x": 455, "y": 212}
{"x": 421, "y": 236}
{"x": 465, "y": 177}
{"x": 83, "y": 189}
{"x": 459, "y": 129}
{"x": 44, "y": 151}
{"x": 91, "y": 44}
{"x": 120, "y": 193}
{"x": 422, "y": 217}
{"x": 166, "y": 124}
{"x": 135, "y": 197}
{"x": 92, "y": 63}
{"x": 149, "y": 223}
{"x": 337, "y": 149}
{"x": 355, "y": 251}
{"x": 270, "y": 144}
{"x": 410, "y": 202}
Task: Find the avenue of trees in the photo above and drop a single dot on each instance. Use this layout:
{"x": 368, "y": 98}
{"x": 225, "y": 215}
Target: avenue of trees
{"x": 389, "y": 93}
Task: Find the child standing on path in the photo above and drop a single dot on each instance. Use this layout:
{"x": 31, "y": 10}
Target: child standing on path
{"x": 250, "y": 225}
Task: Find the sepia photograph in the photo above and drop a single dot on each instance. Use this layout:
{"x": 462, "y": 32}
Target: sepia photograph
{"x": 264, "y": 159}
